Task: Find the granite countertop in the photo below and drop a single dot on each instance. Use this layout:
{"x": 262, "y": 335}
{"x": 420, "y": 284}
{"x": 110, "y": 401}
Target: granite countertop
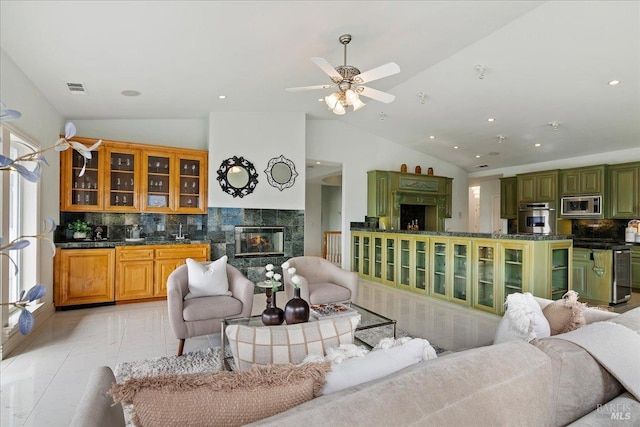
{"x": 90, "y": 244}
{"x": 474, "y": 235}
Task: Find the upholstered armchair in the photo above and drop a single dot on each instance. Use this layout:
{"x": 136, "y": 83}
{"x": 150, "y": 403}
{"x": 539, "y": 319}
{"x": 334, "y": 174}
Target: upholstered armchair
{"x": 202, "y": 316}
{"x": 321, "y": 281}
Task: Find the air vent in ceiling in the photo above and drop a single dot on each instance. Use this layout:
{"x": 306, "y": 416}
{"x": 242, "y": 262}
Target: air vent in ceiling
{"x": 482, "y": 166}
{"x": 77, "y": 89}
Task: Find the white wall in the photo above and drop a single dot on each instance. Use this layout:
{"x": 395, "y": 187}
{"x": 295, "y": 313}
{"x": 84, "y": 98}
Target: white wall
{"x": 359, "y": 152}
{"x": 182, "y": 133}
{"x": 41, "y": 123}
{"x": 331, "y": 208}
{"x": 313, "y": 220}
{"x": 258, "y": 137}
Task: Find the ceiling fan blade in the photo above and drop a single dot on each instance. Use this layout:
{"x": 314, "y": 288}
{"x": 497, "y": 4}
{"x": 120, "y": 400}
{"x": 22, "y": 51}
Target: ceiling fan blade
{"x": 378, "y": 95}
{"x": 377, "y": 73}
{"x": 301, "y": 88}
{"x": 327, "y": 68}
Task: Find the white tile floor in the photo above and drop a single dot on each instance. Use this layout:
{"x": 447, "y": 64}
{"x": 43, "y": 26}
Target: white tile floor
{"x": 42, "y": 382}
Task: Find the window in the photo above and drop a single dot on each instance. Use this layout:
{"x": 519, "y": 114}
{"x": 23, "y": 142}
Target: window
{"x": 19, "y": 216}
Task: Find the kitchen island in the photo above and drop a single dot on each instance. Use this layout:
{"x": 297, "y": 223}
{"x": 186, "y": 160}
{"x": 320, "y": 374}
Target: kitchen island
{"x": 473, "y": 269}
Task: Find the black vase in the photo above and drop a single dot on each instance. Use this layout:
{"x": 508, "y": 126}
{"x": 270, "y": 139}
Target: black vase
{"x": 272, "y": 315}
{"x": 297, "y": 309}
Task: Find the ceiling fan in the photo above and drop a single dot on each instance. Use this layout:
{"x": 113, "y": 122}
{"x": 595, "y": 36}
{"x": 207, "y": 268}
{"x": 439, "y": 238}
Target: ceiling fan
{"x": 348, "y": 80}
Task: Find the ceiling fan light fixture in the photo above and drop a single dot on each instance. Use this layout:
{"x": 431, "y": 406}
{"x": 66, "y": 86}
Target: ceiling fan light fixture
{"x": 358, "y": 104}
{"x": 351, "y": 96}
{"x": 332, "y": 100}
{"x": 339, "y": 109}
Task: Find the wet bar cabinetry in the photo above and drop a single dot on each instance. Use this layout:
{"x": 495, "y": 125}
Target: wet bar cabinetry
{"x": 118, "y": 274}
{"x": 472, "y": 269}
{"x": 130, "y": 177}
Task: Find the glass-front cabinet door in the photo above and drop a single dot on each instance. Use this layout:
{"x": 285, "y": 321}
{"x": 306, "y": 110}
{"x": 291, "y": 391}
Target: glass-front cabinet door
{"x": 560, "y": 254}
{"x": 484, "y": 287}
{"x": 515, "y": 274}
{"x": 158, "y": 173}
{"x": 192, "y": 174}
{"x": 461, "y": 272}
{"x": 365, "y": 268}
{"x": 356, "y": 242}
{"x": 82, "y": 193}
{"x": 420, "y": 264}
{"x": 389, "y": 260}
{"x": 404, "y": 262}
{"x": 377, "y": 257}
{"x": 122, "y": 183}
{"x": 439, "y": 268}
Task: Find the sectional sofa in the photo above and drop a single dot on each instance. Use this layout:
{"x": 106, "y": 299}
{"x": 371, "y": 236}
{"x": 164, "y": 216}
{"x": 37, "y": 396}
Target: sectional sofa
{"x": 547, "y": 382}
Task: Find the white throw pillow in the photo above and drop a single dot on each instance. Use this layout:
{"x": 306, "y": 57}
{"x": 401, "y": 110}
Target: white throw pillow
{"x": 375, "y": 364}
{"x": 522, "y": 321}
{"x": 207, "y": 280}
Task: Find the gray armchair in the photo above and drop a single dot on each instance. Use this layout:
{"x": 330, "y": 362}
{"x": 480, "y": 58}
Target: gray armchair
{"x": 321, "y": 281}
{"x": 203, "y": 316}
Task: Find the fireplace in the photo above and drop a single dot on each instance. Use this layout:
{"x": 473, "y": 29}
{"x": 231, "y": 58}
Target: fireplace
{"x": 259, "y": 241}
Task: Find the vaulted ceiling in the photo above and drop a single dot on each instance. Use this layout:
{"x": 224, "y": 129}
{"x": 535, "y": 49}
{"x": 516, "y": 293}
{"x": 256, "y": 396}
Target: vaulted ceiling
{"x": 542, "y": 62}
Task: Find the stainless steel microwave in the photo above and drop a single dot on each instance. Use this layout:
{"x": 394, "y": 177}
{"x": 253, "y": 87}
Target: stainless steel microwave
{"x": 581, "y": 206}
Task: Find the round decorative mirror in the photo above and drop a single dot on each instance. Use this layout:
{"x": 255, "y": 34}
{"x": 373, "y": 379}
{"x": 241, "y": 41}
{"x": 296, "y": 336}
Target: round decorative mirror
{"x": 237, "y": 176}
{"x": 281, "y": 172}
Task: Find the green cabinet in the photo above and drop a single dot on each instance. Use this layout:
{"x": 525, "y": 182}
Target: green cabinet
{"x": 538, "y": 187}
{"x": 635, "y": 268}
{"x": 509, "y": 198}
{"x": 450, "y": 269}
{"x": 420, "y": 264}
{"x": 378, "y": 195}
{"x": 592, "y": 274}
{"x": 484, "y": 279}
{"x": 361, "y": 254}
{"x": 586, "y": 180}
{"x": 624, "y": 191}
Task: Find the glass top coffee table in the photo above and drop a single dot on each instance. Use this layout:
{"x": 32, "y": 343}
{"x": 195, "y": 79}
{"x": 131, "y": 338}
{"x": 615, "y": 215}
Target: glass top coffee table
{"x": 368, "y": 320}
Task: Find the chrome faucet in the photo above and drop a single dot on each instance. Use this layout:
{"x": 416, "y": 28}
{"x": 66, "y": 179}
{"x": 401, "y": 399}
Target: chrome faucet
{"x": 180, "y": 236}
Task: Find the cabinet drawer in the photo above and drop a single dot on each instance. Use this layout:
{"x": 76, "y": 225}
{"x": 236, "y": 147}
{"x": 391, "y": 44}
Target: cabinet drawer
{"x": 186, "y": 251}
{"x": 581, "y": 254}
{"x": 130, "y": 254}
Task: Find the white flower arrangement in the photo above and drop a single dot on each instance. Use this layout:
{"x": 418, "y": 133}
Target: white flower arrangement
{"x": 295, "y": 279}
{"x": 272, "y": 277}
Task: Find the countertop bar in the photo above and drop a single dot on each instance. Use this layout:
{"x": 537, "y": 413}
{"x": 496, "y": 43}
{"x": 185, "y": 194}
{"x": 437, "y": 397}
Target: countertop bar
{"x": 90, "y": 244}
{"x": 467, "y": 234}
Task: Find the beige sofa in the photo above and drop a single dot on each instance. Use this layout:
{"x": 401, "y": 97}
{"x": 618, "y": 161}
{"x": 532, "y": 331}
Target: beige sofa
{"x": 509, "y": 384}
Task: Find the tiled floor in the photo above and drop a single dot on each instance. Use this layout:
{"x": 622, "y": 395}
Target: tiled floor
{"x": 42, "y": 382}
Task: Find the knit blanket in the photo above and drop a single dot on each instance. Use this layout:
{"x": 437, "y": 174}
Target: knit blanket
{"x": 615, "y": 347}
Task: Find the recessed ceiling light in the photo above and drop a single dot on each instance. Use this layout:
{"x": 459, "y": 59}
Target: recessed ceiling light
{"x": 320, "y": 99}
{"x": 477, "y": 156}
{"x": 614, "y": 82}
{"x": 537, "y": 144}
{"x": 491, "y": 119}
{"x": 222, "y": 96}
{"x": 432, "y": 137}
{"x": 455, "y": 147}
{"x": 317, "y": 163}
{"x": 130, "y": 93}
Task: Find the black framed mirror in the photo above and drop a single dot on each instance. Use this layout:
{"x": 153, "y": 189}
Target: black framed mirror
{"x": 237, "y": 176}
{"x": 281, "y": 172}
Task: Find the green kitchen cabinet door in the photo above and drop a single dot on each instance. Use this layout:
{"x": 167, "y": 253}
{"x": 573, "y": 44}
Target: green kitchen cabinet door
{"x": 509, "y": 198}
{"x": 624, "y": 199}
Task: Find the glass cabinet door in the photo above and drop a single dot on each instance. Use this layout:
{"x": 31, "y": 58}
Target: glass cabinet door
{"x": 439, "y": 282}
{"x": 355, "y": 252}
{"x": 404, "y": 246}
{"x": 390, "y": 261}
{"x": 158, "y": 182}
{"x": 460, "y": 271}
{"x": 512, "y": 271}
{"x": 366, "y": 256}
{"x": 559, "y": 272}
{"x": 421, "y": 257}
{"x": 85, "y": 189}
{"x": 122, "y": 180}
{"x": 190, "y": 197}
{"x": 377, "y": 257}
{"x": 484, "y": 289}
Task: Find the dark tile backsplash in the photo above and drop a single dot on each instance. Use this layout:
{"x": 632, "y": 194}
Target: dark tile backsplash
{"x": 218, "y": 226}
{"x": 599, "y": 228}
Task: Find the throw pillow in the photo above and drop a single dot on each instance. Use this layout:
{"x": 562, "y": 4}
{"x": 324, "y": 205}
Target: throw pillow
{"x": 565, "y": 314}
{"x": 207, "y": 279}
{"x": 221, "y": 398}
{"x": 523, "y": 320}
{"x": 375, "y": 364}
{"x": 283, "y": 344}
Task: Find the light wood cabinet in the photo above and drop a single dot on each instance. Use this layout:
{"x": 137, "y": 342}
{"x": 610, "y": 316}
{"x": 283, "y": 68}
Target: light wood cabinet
{"x": 130, "y": 177}
{"x": 123, "y": 274}
{"x": 84, "y": 276}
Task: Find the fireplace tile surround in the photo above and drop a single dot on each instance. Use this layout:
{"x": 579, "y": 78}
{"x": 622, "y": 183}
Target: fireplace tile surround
{"x": 218, "y": 226}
